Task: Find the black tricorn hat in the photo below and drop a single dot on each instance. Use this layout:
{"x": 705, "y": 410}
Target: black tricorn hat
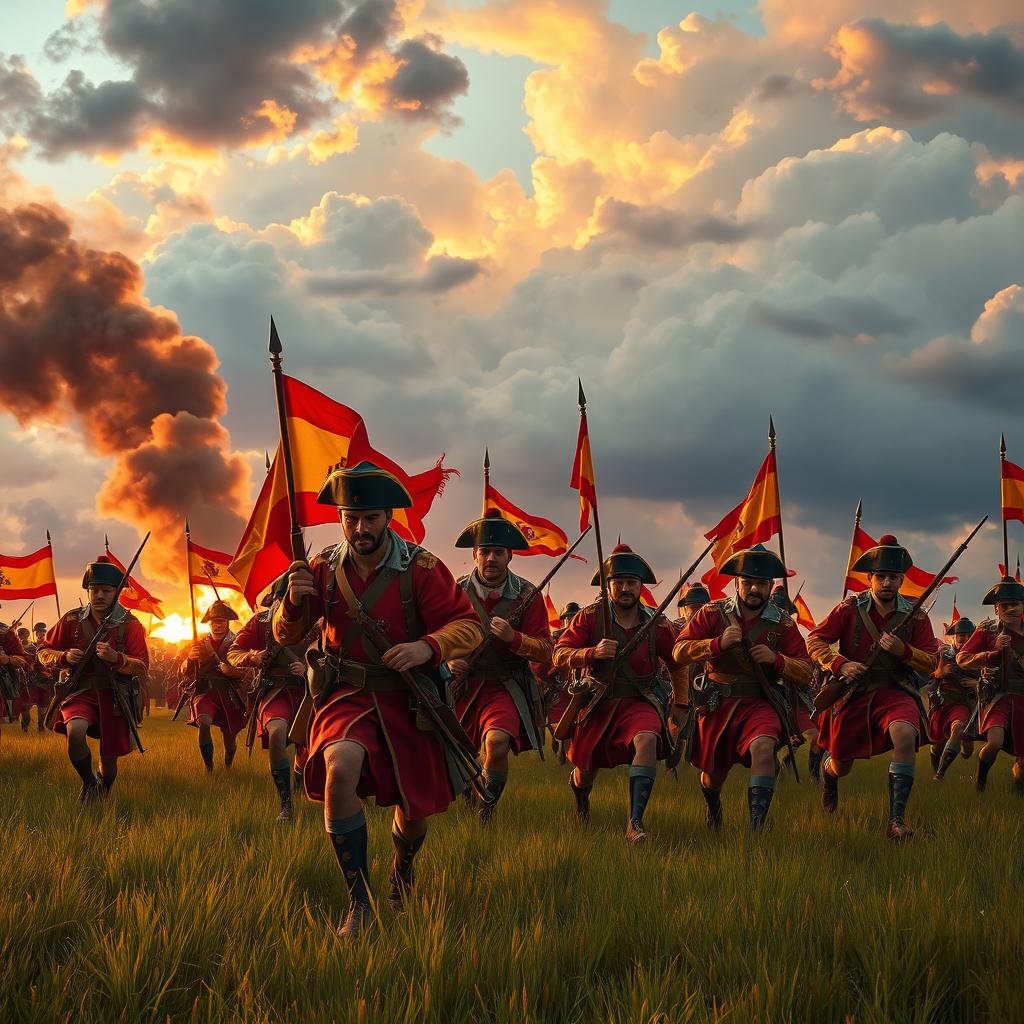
{"x": 1007, "y": 589}
{"x": 756, "y": 563}
{"x": 364, "y": 488}
{"x": 275, "y": 591}
{"x": 23, "y": 631}
{"x": 39, "y": 626}
{"x": 888, "y": 555}
{"x": 493, "y": 531}
{"x": 962, "y": 625}
{"x": 624, "y": 561}
{"x": 102, "y": 573}
{"x": 782, "y": 600}
{"x": 694, "y": 594}
{"x": 569, "y": 611}
{"x": 220, "y": 610}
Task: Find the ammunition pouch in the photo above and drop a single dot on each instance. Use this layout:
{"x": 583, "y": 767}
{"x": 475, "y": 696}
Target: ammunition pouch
{"x": 735, "y": 685}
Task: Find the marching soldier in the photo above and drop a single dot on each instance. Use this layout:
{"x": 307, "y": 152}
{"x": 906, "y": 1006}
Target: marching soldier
{"x": 212, "y": 684}
{"x": 95, "y": 708}
{"x": 950, "y": 701}
{"x": 40, "y": 689}
{"x": 498, "y": 701}
{"x": 691, "y": 600}
{"x": 738, "y": 721}
{"x": 996, "y": 651}
{"x": 882, "y": 711}
{"x": 627, "y": 725}
{"x": 367, "y": 738}
{"x": 13, "y": 662}
{"x": 554, "y": 682}
{"x": 278, "y": 688}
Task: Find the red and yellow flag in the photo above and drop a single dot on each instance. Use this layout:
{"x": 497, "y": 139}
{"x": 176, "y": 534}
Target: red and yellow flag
{"x": 554, "y": 622}
{"x": 803, "y": 613}
{"x": 207, "y": 566}
{"x": 134, "y": 595}
{"x": 25, "y": 577}
{"x": 647, "y": 599}
{"x": 323, "y": 433}
{"x": 1012, "y": 490}
{"x": 544, "y": 537}
{"x": 583, "y": 474}
{"x": 915, "y": 582}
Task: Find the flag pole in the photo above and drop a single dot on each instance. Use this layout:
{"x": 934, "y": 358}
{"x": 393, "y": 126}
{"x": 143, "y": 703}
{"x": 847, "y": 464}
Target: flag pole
{"x": 1002, "y": 509}
{"x": 778, "y": 501}
{"x": 298, "y": 549}
{"x": 606, "y": 611}
{"x": 56, "y": 596}
{"x": 487, "y": 478}
{"x": 188, "y": 576}
{"x": 853, "y": 541}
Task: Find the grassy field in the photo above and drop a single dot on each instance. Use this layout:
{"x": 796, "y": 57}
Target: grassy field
{"x": 178, "y": 899}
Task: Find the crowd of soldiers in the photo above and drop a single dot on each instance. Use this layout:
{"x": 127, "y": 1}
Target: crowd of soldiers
{"x": 370, "y": 670}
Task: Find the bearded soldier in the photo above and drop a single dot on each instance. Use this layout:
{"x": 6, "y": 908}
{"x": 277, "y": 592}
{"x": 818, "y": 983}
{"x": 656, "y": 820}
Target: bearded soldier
{"x": 739, "y": 721}
{"x": 367, "y": 737}
{"x": 627, "y": 724}
{"x": 996, "y": 651}
{"x": 281, "y": 673}
{"x": 498, "y": 701}
{"x": 212, "y": 682}
{"x": 119, "y": 659}
{"x": 950, "y": 701}
{"x": 882, "y": 710}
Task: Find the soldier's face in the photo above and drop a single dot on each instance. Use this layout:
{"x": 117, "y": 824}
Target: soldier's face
{"x": 101, "y": 597}
{"x": 1010, "y": 612}
{"x": 218, "y": 628}
{"x": 885, "y": 585}
{"x": 40, "y": 634}
{"x": 959, "y": 639}
{"x": 365, "y": 531}
{"x": 624, "y": 591}
{"x": 753, "y": 593}
{"x": 492, "y": 563}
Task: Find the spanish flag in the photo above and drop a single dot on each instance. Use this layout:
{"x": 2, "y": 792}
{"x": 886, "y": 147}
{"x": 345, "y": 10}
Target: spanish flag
{"x": 1012, "y": 490}
{"x": 208, "y": 567}
{"x": 323, "y": 433}
{"x": 647, "y": 599}
{"x": 803, "y": 613}
{"x": 24, "y": 577}
{"x": 956, "y": 613}
{"x": 583, "y": 474}
{"x": 134, "y": 595}
{"x": 554, "y": 622}
{"x": 915, "y": 582}
{"x": 545, "y": 538}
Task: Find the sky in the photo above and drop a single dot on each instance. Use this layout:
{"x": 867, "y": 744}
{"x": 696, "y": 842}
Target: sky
{"x": 710, "y": 213}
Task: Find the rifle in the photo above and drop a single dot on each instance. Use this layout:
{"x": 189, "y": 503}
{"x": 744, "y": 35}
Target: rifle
{"x": 589, "y": 693}
{"x": 68, "y": 687}
{"x": 836, "y": 688}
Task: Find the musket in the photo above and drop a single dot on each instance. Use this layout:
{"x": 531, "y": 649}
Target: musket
{"x": 588, "y": 694}
{"x": 837, "y": 688}
{"x": 69, "y": 686}
{"x": 18, "y": 620}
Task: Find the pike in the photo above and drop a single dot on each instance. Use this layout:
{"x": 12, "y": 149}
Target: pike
{"x": 59, "y": 691}
{"x": 187, "y": 691}
{"x": 836, "y": 689}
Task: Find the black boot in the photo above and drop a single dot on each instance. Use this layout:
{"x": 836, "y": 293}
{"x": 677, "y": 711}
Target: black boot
{"x": 105, "y": 785}
{"x": 984, "y": 767}
{"x": 713, "y": 799}
{"x": 814, "y": 764}
{"x": 759, "y": 799}
{"x": 402, "y": 873}
{"x": 641, "y": 783}
{"x": 90, "y": 784}
{"x": 949, "y": 754}
{"x": 351, "y": 850}
{"x": 899, "y": 792}
{"x": 206, "y": 752}
{"x": 829, "y": 790}
{"x": 282, "y": 776}
{"x": 582, "y": 795}
{"x": 495, "y": 783}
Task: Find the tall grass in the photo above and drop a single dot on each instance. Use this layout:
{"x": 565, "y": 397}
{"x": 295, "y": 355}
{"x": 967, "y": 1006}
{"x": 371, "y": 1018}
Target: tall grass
{"x": 178, "y": 899}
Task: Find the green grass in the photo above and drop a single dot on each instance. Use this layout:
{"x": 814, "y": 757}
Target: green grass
{"x": 178, "y": 899}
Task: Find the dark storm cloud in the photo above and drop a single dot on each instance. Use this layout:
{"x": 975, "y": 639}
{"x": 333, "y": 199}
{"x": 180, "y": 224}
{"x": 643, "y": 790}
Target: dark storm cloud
{"x": 427, "y": 80}
{"x": 655, "y": 227}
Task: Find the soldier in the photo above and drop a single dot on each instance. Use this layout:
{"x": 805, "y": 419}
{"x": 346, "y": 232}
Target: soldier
{"x": 554, "y": 683}
{"x": 950, "y": 701}
{"x": 118, "y": 660}
{"x": 366, "y": 737}
{"x": 498, "y": 701}
{"x": 212, "y": 684}
{"x": 882, "y": 710}
{"x": 740, "y": 724}
{"x": 12, "y": 665}
{"x": 691, "y": 600}
{"x": 628, "y": 724}
{"x": 40, "y": 683}
{"x": 996, "y": 651}
{"x": 281, "y": 677}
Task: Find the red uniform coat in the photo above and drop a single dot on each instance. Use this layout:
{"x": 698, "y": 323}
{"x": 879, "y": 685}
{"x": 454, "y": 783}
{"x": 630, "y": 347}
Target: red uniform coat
{"x": 403, "y": 765}
{"x": 954, "y": 706}
{"x": 128, "y": 637}
{"x": 218, "y": 693}
{"x": 1006, "y": 711}
{"x": 861, "y": 728}
{"x": 605, "y": 737}
{"x": 10, "y": 644}
{"x": 722, "y": 737}
{"x": 40, "y": 687}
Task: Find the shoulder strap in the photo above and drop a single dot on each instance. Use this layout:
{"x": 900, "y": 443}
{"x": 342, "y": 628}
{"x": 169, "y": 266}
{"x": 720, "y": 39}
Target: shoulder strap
{"x": 412, "y": 616}
{"x": 371, "y": 596}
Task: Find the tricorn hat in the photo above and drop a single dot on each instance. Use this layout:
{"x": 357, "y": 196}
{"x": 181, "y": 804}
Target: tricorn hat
{"x": 782, "y": 600}
{"x": 624, "y": 561}
{"x": 220, "y": 610}
{"x": 756, "y": 563}
{"x": 1007, "y": 589}
{"x": 962, "y": 625}
{"x": 23, "y": 631}
{"x": 493, "y": 531}
{"x": 364, "y": 488}
{"x": 888, "y": 555}
{"x": 275, "y": 591}
{"x": 695, "y": 594}
{"x": 569, "y": 611}
{"x": 102, "y": 573}
{"x": 39, "y": 626}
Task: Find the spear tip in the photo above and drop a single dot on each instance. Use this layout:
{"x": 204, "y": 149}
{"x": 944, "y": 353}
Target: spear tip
{"x": 275, "y": 339}
{"x": 1002, "y": 446}
{"x": 188, "y": 532}
{"x": 266, "y": 459}
{"x": 860, "y": 508}
{"x": 487, "y": 458}
{"x": 582, "y": 397}
{"x": 771, "y": 430}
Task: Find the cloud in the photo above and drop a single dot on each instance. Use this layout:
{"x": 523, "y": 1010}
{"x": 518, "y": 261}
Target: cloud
{"x": 440, "y": 274}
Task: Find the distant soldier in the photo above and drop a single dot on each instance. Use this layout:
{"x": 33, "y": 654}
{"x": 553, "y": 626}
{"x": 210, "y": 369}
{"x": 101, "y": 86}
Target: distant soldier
{"x": 118, "y": 660}
{"x": 950, "y": 700}
{"x": 497, "y": 700}
{"x": 628, "y": 724}
{"x": 691, "y": 600}
{"x": 277, "y": 689}
{"x": 367, "y": 737}
{"x": 737, "y": 722}
{"x": 12, "y": 665}
{"x": 213, "y": 685}
{"x": 996, "y": 651}
{"x": 883, "y": 710}
{"x": 40, "y": 685}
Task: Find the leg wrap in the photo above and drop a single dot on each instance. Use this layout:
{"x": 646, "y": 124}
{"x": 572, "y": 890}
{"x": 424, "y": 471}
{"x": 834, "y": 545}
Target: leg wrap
{"x": 641, "y": 782}
{"x": 901, "y": 781}
{"x": 759, "y": 799}
{"x": 348, "y": 837}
